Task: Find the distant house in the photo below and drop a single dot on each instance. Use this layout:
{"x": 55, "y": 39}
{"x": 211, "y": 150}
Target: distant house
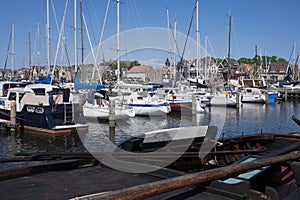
{"x": 244, "y": 70}
{"x": 140, "y": 72}
{"x": 278, "y": 70}
{"x": 228, "y": 68}
{"x": 168, "y": 74}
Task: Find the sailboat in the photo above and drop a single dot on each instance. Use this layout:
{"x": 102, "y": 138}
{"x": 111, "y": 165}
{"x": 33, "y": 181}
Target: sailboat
{"x": 97, "y": 106}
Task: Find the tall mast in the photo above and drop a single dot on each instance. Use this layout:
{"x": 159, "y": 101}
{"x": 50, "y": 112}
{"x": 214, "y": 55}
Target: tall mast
{"x": 39, "y": 48}
{"x": 12, "y": 49}
{"x": 81, "y": 33}
{"x": 118, "y": 40}
{"x": 197, "y": 38}
{"x": 29, "y": 55}
{"x": 175, "y": 48}
{"x": 48, "y": 37}
{"x": 75, "y": 37}
{"x": 169, "y": 37}
{"x": 169, "y": 42}
{"x": 229, "y": 41}
{"x": 229, "y": 37}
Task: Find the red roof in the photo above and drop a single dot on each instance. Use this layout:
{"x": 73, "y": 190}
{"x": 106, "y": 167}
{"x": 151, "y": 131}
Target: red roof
{"x": 140, "y": 69}
{"x": 248, "y": 66}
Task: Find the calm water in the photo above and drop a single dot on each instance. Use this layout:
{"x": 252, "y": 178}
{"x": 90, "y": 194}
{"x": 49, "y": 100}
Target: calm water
{"x": 249, "y": 119}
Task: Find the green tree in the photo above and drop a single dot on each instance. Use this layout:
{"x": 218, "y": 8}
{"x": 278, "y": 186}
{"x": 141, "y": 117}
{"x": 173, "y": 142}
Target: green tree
{"x": 134, "y": 63}
{"x": 273, "y": 59}
{"x": 281, "y": 60}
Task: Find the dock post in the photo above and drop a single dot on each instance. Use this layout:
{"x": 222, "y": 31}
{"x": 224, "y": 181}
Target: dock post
{"x": 13, "y": 116}
{"x": 285, "y": 94}
{"x": 194, "y": 106}
{"x": 112, "y": 120}
{"x": 238, "y": 102}
{"x": 266, "y": 97}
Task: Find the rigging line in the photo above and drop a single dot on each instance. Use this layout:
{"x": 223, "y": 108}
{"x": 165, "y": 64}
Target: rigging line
{"x": 59, "y": 38}
{"x": 95, "y": 62}
{"x": 90, "y": 22}
{"x": 211, "y": 47}
{"x": 189, "y": 30}
{"x": 5, "y": 64}
{"x": 143, "y": 35}
{"x": 55, "y": 17}
{"x": 291, "y": 54}
{"x": 35, "y": 45}
{"x": 102, "y": 32}
{"x": 224, "y": 42}
{"x": 173, "y": 35}
{"x": 137, "y": 13}
{"x": 235, "y": 38}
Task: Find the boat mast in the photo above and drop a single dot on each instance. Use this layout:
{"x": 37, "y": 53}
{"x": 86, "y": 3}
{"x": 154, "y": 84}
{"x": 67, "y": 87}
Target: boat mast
{"x": 75, "y": 37}
{"x": 229, "y": 37}
{"x": 229, "y": 42}
{"x": 198, "y": 39}
{"x": 169, "y": 39}
{"x": 12, "y": 49}
{"x": 81, "y": 33}
{"x": 29, "y": 55}
{"x": 48, "y": 37}
{"x": 118, "y": 40}
{"x": 175, "y": 47}
{"x": 38, "y": 53}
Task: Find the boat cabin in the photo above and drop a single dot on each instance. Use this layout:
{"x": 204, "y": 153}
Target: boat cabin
{"x": 6, "y": 85}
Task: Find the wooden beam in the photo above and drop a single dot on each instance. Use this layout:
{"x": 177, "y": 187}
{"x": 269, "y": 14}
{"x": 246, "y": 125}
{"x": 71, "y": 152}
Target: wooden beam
{"x": 158, "y": 187}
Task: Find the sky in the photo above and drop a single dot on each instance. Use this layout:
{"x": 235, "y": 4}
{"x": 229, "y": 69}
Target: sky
{"x": 272, "y": 25}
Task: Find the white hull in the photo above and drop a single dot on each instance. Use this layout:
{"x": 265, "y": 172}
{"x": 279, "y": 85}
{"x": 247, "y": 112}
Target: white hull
{"x": 252, "y": 95}
{"x": 172, "y": 134}
{"x": 151, "y": 109}
{"x": 222, "y": 100}
{"x": 94, "y": 111}
{"x": 144, "y": 104}
{"x": 252, "y": 99}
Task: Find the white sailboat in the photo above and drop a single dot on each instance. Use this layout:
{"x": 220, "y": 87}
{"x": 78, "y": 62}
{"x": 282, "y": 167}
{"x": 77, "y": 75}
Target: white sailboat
{"x": 144, "y": 104}
{"x": 252, "y": 95}
{"x": 98, "y": 107}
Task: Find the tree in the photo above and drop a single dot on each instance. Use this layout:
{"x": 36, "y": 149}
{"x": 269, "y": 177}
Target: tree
{"x": 281, "y": 60}
{"x": 134, "y": 63}
{"x": 274, "y": 59}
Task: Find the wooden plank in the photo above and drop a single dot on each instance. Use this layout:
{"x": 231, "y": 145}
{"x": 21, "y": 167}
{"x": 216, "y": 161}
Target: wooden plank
{"x": 158, "y": 187}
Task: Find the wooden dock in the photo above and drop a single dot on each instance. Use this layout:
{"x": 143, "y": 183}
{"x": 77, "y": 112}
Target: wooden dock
{"x": 289, "y": 94}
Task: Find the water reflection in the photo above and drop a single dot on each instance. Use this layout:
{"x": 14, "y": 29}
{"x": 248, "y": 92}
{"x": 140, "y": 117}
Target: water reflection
{"x": 249, "y": 119}
{"x": 31, "y": 142}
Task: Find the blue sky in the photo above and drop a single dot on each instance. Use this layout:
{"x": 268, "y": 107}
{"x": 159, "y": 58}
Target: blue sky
{"x": 272, "y": 25}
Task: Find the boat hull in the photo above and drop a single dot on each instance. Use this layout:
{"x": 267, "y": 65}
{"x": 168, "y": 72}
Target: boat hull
{"x": 103, "y": 113}
{"x": 151, "y": 109}
{"x": 64, "y": 118}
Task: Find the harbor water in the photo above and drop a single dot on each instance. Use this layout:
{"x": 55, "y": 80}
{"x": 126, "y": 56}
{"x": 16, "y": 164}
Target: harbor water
{"x": 249, "y": 119}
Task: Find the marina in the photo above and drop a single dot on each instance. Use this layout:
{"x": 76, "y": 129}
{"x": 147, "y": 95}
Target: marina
{"x": 271, "y": 118}
{"x": 118, "y": 110}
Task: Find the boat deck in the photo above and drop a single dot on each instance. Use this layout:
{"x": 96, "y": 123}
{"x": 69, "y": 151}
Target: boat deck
{"x": 68, "y": 184}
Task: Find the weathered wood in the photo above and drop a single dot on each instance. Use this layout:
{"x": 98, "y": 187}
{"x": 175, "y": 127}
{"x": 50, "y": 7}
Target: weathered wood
{"x": 293, "y": 147}
{"x": 295, "y": 119}
{"x": 13, "y": 116}
{"x": 194, "y": 106}
{"x": 57, "y": 166}
{"x": 66, "y": 156}
{"x": 158, "y": 187}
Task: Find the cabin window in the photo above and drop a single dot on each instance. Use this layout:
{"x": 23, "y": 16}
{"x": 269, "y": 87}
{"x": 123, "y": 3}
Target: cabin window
{"x": 12, "y": 96}
{"x": 20, "y": 97}
{"x": 39, "y": 110}
{"x": 30, "y": 109}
